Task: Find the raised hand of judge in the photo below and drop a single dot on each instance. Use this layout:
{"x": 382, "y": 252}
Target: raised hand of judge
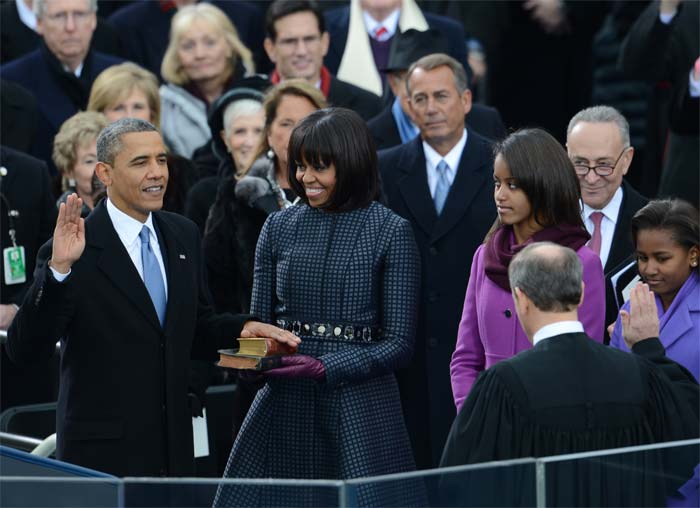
{"x": 642, "y": 320}
{"x": 69, "y": 235}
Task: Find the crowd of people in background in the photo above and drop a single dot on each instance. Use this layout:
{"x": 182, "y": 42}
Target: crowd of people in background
{"x": 380, "y": 167}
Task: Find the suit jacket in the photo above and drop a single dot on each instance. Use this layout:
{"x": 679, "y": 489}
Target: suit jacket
{"x": 123, "y": 404}
{"x": 485, "y": 120}
{"x": 569, "y": 394}
{"x": 447, "y": 244}
{"x": 338, "y": 21}
{"x": 32, "y": 72}
{"x": 621, "y": 248}
{"x": 19, "y": 118}
{"x": 145, "y": 30}
{"x": 345, "y": 95}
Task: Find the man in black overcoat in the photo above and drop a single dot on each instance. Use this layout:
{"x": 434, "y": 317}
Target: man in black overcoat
{"x": 123, "y": 290}
{"x": 442, "y": 182}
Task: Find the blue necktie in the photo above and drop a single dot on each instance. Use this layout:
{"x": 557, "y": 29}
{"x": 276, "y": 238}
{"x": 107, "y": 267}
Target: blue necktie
{"x": 152, "y": 276}
{"x": 442, "y": 189}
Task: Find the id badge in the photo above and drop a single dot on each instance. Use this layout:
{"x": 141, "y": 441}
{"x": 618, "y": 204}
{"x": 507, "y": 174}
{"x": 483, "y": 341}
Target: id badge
{"x": 15, "y": 267}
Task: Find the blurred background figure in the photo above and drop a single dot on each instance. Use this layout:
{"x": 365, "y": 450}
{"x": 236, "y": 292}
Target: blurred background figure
{"x": 362, "y": 33}
{"x": 60, "y": 72}
{"x": 75, "y": 156}
{"x": 130, "y": 91}
{"x": 204, "y": 57}
{"x": 236, "y": 122}
{"x": 666, "y": 237}
{"x": 538, "y": 199}
{"x": 663, "y": 46}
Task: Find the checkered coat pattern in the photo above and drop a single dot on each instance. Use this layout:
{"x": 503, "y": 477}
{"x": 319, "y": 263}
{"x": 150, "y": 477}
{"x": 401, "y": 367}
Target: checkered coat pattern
{"x": 358, "y": 268}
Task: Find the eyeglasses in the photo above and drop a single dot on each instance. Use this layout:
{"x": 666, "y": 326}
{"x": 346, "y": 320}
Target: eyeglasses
{"x": 600, "y": 169}
{"x": 61, "y": 18}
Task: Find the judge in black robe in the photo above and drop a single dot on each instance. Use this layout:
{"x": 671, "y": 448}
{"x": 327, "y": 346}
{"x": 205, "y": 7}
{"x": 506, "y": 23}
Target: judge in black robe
{"x": 569, "y": 394}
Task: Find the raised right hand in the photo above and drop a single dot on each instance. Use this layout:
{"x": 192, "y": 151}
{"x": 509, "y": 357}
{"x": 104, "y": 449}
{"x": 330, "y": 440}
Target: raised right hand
{"x": 642, "y": 320}
{"x": 69, "y": 235}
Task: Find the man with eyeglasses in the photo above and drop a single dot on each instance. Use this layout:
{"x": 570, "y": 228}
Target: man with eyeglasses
{"x": 59, "y": 73}
{"x": 296, "y": 42}
{"x": 598, "y": 143}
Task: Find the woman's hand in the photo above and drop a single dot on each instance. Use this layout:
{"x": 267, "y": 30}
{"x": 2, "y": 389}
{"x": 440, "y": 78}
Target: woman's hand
{"x": 642, "y": 320}
{"x": 258, "y": 329}
{"x": 299, "y": 366}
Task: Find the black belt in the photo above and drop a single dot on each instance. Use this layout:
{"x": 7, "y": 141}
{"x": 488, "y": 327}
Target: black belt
{"x": 333, "y": 331}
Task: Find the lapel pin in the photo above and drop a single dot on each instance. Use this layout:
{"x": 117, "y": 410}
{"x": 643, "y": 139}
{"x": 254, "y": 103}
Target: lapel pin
{"x": 182, "y": 256}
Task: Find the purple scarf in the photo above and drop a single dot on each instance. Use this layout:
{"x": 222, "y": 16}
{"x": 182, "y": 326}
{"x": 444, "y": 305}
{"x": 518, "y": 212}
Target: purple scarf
{"x": 501, "y": 247}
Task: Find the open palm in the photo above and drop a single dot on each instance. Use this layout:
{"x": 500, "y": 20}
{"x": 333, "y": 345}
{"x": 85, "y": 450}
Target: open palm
{"x": 69, "y": 235}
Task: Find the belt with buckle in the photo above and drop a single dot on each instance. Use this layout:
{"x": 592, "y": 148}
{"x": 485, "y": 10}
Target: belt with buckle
{"x": 344, "y": 332}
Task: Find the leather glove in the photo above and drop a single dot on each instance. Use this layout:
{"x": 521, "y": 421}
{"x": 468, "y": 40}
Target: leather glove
{"x": 299, "y": 366}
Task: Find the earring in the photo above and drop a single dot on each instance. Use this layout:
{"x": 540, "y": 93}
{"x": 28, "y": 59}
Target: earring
{"x": 693, "y": 263}
{"x": 71, "y": 183}
{"x": 270, "y": 154}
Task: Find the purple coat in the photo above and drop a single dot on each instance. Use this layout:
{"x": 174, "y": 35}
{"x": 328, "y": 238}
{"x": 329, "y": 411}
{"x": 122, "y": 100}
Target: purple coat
{"x": 490, "y": 330}
{"x": 679, "y": 326}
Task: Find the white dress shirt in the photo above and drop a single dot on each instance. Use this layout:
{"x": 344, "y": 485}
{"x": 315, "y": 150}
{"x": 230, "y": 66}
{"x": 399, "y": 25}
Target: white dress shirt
{"x": 452, "y": 158}
{"x": 555, "y": 329}
{"x": 607, "y": 226}
{"x": 26, "y": 15}
{"x": 390, "y": 23}
{"x": 128, "y": 230}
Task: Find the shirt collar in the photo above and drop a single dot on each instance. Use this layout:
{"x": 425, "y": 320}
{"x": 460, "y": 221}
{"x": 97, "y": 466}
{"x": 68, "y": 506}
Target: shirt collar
{"x": 559, "y": 328}
{"x": 127, "y": 227}
{"x": 391, "y": 22}
{"x": 26, "y": 15}
{"x": 611, "y": 210}
{"x": 451, "y": 158}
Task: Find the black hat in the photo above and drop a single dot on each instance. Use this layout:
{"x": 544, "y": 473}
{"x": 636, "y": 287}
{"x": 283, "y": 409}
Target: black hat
{"x": 247, "y": 88}
{"x": 411, "y": 45}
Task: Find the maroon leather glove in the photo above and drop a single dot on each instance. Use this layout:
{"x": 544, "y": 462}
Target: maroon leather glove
{"x": 295, "y": 366}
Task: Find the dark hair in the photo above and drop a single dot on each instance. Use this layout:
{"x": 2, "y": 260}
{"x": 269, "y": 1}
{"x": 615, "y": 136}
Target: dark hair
{"x": 281, "y": 8}
{"x": 549, "y": 274}
{"x": 109, "y": 142}
{"x": 544, "y": 172}
{"x": 340, "y": 137}
{"x": 676, "y": 216}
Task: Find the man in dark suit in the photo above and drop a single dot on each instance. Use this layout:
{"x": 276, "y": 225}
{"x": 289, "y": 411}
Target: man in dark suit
{"x": 27, "y": 214}
{"x": 569, "y": 394}
{"x": 442, "y": 183}
{"x": 59, "y": 73}
{"x": 123, "y": 290}
{"x": 144, "y": 28}
{"x": 393, "y": 126}
{"x": 362, "y": 33}
{"x": 598, "y": 143}
{"x": 296, "y": 41}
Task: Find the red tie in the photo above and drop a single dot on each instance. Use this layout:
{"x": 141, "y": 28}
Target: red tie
{"x": 380, "y": 33}
{"x": 596, "y": 240}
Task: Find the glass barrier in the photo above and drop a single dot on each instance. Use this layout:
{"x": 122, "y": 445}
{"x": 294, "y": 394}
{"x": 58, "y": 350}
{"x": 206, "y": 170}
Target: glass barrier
{"x": 664, "y": 474}
{"x": 44, "y": 492}
{"x": 505, "y": 483}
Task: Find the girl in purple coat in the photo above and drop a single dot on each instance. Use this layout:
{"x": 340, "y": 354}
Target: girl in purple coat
{"x": 538, "y": 199}
{"x": 665, "y": 235}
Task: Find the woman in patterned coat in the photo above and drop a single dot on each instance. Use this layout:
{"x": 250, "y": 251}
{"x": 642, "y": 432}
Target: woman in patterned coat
{"x": 341, "y": 271}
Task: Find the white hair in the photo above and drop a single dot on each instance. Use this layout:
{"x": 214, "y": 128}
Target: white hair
{"x": 243, "y": 107}
{"x": 39, "y": 7}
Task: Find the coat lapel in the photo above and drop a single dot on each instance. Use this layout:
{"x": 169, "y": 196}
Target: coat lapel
{"x": 467, "y": 184}
{"x": 173, "y": 256}
{"x": 622, "y": 242}
{"x": 116, "y": 264}
{"x": 681, "y": 322}
{"x": 414, "y": 186}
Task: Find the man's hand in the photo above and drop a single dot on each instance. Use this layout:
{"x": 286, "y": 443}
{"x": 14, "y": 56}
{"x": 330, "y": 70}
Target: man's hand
{"x": 257, "y": 329}
{"x": 7, "y": 314}
{"x": 642, "y": 321}
{"x": 69, "y": 235}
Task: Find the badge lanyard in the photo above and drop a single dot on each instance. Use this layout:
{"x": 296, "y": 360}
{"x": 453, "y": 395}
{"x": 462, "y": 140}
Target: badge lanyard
{"x": 13, "y": 257}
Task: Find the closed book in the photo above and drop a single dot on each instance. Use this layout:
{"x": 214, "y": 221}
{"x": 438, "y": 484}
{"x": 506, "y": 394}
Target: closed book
{"x": 262, "y": 346}
{"x": 231, "y": 359}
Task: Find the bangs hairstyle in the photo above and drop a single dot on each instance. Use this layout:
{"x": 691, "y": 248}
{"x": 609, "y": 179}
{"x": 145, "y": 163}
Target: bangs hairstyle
{"x": 117, "y": 82}
{"x": 171, "y": 68}
{"x": 543, "y": 170}
{"x": 340, "y": 137}
{"x": 676, "y": 216}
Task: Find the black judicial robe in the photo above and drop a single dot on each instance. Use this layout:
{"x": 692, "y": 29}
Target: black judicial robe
{"x": 569, "y": 394}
